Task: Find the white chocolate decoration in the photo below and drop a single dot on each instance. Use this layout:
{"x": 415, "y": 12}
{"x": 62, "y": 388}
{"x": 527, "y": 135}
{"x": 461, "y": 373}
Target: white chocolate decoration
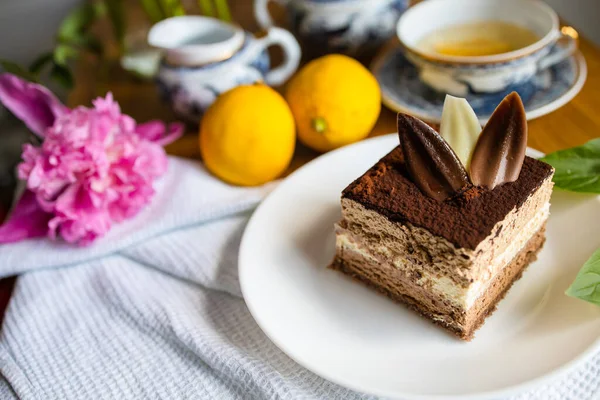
{"x": 460, "y": 128}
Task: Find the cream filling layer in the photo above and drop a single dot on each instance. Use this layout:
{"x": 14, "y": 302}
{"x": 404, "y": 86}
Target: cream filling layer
{"x": 466, "y": 297}
{"x": 463, "y": 297}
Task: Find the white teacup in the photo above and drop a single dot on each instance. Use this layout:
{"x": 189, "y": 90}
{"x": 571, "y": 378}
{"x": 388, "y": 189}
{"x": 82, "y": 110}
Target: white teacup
{"x": 460, "y": 75}
{"x": 204, "y": 57}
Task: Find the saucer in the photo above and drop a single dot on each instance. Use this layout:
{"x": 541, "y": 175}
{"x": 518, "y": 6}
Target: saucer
{"x": 403, "y": 91}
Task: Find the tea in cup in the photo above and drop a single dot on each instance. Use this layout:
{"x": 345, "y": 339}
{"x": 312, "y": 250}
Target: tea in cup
{"x": 483, "y": 38}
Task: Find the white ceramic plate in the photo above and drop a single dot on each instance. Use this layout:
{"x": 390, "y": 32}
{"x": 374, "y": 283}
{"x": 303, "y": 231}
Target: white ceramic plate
{"x": 357, "y": 338}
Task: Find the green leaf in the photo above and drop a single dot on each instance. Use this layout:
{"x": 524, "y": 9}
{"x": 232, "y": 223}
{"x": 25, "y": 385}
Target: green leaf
{"x": 62, "y": 75}
{"x": 172, "y": 8}
{"x": 99, "y": 9}
{"x": 116, "y": 14}
{"x": 63, "y": 53}
{"x": 77, "y": 22}
{"x": 86, "y": 41}
{"x": 39, "y": 63}
{"x": 577, "y": 169}
{"x": 152, "y": 8}
{"x": 587, "y": 283}
{"x": 178, "y": 11}
{"x": 223, "y": 10}
{"x": 16, "y": 69}
{"x": 207, "y": 8}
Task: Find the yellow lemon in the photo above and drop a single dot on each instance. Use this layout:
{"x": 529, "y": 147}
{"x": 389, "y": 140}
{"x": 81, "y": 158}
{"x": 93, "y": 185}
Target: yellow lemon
{"x": 247, "y": 136}
{"x": 335, "y": 101}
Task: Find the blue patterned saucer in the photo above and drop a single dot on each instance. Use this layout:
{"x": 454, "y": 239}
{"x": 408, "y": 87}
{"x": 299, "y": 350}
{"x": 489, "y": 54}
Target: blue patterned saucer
{"x": 403, "y": 91}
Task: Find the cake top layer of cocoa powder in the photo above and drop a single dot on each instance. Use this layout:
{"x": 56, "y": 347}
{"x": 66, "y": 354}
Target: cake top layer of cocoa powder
{"x": 464, "y": 220}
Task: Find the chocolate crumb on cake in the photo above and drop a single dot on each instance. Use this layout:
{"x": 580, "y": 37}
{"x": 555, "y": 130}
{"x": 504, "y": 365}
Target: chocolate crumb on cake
{"x": 451, "y": 255}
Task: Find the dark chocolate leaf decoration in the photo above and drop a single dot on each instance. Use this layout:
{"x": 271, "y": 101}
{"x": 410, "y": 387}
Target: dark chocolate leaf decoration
{"x": 430, "y": 161}
{"x": 500, "y": 149}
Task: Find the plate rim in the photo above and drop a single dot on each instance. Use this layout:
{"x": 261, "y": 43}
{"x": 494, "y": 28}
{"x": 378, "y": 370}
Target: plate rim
{"x": 512, "y": 390}
{"x": 582, "y": 72}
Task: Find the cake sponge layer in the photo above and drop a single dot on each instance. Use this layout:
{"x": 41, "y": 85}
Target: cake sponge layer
{"x": 435, "y": 255}
{"x": 403, "y": 286}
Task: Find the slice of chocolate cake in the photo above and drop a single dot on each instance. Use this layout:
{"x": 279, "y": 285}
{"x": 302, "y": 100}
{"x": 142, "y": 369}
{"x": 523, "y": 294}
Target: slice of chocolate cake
{"x": 417, "y": 228}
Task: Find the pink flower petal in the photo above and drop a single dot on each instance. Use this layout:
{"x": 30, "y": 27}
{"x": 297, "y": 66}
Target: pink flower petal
{"x": 95, "y": 167}
{"x": 107, "y": 105}
{"x": 151, "y": 130}
{"x": 154, "y": 131}
{"x": 27, "y": 220}
{"x": 175, "y": 131}
{"x": 35, "y": 105}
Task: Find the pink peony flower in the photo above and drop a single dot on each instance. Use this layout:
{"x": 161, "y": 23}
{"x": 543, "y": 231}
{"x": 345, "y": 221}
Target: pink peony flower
{"x": 95, "y": 167}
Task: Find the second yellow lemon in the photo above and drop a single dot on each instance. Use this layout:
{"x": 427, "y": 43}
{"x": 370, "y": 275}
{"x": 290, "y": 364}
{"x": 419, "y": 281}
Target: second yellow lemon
{"x": 248, "y": 135}
{"x": 335, "y": 101}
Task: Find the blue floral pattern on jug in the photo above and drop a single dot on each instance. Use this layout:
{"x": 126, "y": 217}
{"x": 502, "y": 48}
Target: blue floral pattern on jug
{"x": 400, "y": 83}
{"x": 360, "y": 31}
{"x": 191, "y": 90}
